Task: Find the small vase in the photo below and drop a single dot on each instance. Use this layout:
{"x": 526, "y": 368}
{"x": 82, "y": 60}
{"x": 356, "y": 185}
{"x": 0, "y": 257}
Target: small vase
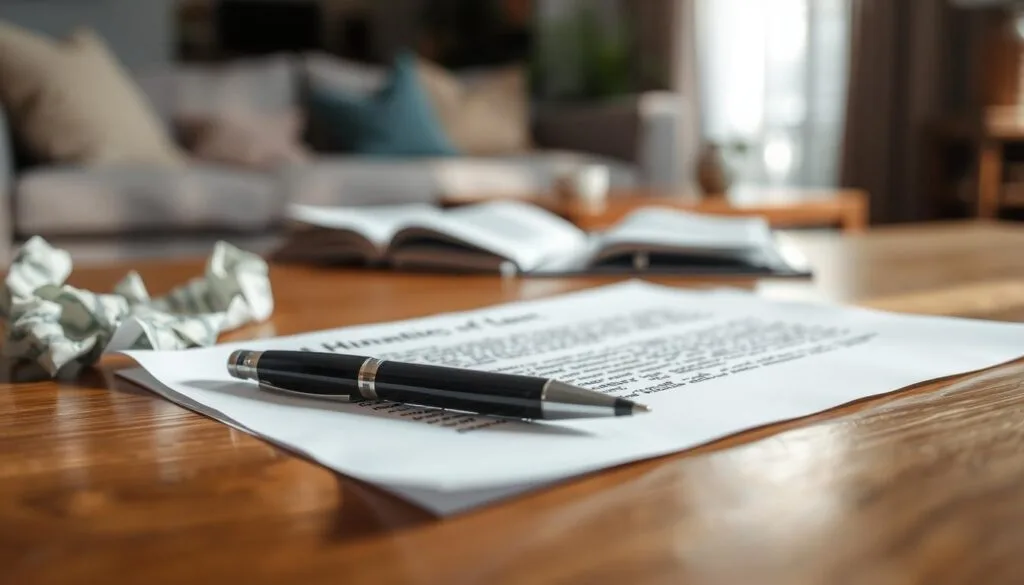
{"x": 713, "y": 174}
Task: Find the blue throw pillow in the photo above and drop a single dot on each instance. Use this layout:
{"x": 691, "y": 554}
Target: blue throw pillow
{"x": 396, "y": 121}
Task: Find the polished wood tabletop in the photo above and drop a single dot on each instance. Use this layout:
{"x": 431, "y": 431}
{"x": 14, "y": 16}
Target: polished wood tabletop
{"x": 102, "y": 482}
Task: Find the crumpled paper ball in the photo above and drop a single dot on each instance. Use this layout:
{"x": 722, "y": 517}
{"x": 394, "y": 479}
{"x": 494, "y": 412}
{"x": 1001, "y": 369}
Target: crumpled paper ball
{"x": 54, "y": 324}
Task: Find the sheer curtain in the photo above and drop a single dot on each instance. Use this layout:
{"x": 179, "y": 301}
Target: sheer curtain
{"x": 773, "y": 77}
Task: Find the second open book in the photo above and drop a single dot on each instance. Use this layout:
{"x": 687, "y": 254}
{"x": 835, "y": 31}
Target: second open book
{"x": 523, "y": 238}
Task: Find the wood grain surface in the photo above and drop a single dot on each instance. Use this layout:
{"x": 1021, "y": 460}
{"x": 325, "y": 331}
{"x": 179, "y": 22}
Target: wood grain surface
{"x": 102, "y": 482}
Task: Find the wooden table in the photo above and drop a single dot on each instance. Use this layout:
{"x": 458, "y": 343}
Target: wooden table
{"x": 846, "y": 209}
{"x": 101, "y": 482}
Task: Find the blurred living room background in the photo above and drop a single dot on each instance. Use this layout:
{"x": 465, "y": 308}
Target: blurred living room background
{"x": 208, "y": 116}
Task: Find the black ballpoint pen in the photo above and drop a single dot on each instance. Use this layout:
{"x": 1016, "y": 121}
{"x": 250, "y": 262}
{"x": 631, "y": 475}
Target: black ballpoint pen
{"x": 365, "y": 378}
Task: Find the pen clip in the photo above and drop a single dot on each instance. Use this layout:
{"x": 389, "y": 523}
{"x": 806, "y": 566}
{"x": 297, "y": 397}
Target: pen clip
{"x": 328, "y": 397}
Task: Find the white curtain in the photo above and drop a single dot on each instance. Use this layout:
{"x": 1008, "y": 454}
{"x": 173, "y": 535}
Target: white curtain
{"x": 773, "y": 76}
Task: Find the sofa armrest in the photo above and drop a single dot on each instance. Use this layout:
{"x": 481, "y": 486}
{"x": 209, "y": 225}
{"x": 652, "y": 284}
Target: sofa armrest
{"x": 643, "y": 129}
{"x": 7, "y": 171}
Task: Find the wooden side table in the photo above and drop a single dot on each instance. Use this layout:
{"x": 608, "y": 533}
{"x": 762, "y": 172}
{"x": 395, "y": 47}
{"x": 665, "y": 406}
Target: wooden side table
{"x": 988, "y": 139}
{"x": 846, "y": 209}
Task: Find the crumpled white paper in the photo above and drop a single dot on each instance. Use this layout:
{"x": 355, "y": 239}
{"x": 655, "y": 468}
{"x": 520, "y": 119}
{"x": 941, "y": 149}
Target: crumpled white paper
{"x": 54, "y": 324}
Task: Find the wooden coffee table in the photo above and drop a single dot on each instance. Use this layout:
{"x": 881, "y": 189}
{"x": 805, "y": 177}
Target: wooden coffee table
{"x": 103, "y": 482}
{"x": 846, "y": 209}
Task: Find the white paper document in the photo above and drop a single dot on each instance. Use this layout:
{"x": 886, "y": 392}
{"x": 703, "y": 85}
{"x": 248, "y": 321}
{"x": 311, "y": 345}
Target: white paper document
{"x": 709, "y": 364}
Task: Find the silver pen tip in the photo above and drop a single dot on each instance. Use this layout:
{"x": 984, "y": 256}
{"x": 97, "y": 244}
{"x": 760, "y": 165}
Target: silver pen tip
{"x": 638, "y": 408}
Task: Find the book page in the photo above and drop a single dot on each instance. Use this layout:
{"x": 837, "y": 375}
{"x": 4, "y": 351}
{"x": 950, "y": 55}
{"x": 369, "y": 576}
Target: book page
{"x": 709, "y": 364}
{"x": 377, "y": 224}
{"x": 666, "y": 229}
{"x": 523, "y": 233}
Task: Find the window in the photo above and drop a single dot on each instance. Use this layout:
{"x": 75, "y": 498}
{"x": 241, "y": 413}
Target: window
{"x": 773, "y": 76}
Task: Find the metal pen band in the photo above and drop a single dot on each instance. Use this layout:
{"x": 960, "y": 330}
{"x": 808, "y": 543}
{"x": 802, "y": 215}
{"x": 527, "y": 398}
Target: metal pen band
{"x": 367, "y": 377}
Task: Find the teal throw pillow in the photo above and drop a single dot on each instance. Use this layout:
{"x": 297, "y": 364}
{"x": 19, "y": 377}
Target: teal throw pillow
{"x": 396, "y": 121}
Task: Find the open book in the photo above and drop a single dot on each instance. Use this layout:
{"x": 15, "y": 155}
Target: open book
{"x": 523, "y": 238}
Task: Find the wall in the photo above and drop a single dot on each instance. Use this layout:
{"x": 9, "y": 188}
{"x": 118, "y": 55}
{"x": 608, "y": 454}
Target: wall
{"x": 141, "y": 32}
{"x": 394, "y": 25}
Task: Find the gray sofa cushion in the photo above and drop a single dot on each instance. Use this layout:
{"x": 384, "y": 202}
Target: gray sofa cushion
{"x": 262, "y": 84}
{"x": 53, "y": 201}
{"x": 7, "y": 174}
{"x": 108, "y": 200}
{"x": 352, "y": 180}
{"x": 342, "y": 180}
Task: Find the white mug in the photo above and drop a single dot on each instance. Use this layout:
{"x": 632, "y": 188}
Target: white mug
{"x": 588, "y": 183}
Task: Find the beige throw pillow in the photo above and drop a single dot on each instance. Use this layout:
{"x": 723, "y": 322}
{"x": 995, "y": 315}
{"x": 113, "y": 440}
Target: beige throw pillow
{"x": 254, "y": 140}
{"x": 71, "y": 102}
{"x": 488, "y": 115}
